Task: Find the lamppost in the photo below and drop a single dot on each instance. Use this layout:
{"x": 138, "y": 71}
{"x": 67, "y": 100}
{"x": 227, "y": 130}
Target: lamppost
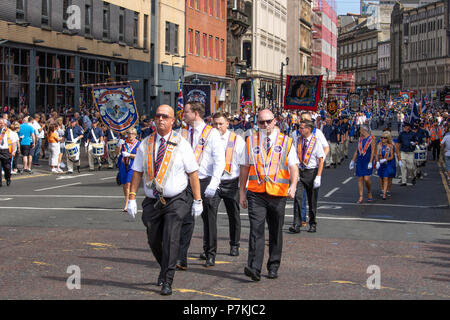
{"x": 281, "y": 80}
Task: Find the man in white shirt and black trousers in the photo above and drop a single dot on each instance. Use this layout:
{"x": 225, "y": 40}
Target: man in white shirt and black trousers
{"x": 311, "y": 156}
{"x": 166, "y": 162}
{"x": 233, "y": 148}
{"x": 208, "y": 151}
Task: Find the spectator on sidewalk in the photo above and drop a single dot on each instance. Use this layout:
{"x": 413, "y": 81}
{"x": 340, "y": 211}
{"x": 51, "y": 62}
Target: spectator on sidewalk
{"x": 53, "y": 146}
{"x": 39, "y": 132}
{"x": 28, "y": 140}
{"x": 15, "y": 127}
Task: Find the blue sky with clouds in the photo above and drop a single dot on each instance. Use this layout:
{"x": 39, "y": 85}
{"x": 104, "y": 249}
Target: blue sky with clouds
{"x": 345, "y": 6}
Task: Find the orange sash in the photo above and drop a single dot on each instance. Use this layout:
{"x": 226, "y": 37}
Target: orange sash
{"x": 159, "y": 181}
{"x": 201, "y": 143}
{"x": 230, "y": 151}
{"x": 309, "y": 149}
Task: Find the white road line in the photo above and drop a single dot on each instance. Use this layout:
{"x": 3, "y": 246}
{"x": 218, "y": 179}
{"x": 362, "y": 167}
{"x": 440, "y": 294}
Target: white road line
{"x": 64, "y": 185}
{"x": 74, "y": 177}
{"x": 347, "y": 180}
{"x": 331, "y": 192}
{"x": 108, "y": 178}
{"x": 385, "y": 205}
{"x": 67, "y": 196}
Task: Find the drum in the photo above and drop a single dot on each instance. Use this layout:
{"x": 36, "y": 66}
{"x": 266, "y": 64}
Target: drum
{"x": 98, "y": 149}
{"x": 112, "y": 145}
{"x": 420, "y": 155}
{"x": 73, "y": 152}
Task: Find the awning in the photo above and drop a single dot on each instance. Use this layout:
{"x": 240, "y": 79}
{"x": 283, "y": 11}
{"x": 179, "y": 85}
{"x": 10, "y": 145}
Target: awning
{"x": 206, "y": 77}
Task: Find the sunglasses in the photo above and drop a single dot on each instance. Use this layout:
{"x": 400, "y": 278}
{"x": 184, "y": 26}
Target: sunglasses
{"x": 164, "y": 116}
{"x": 262, "y": 122}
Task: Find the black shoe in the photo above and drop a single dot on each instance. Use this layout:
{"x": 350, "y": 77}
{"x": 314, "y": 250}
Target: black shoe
{"x": 254, "y": 275}
{"x": 202, "y": 256}
{"x": 181, "y": 265}
{"x": 312, "y": 228}
{"x": 78, "y": 169}
{"x": 273, "y": 274}
{"x": 234, "y": 251}
{"x": 100, "y": 168}
{"x": 295, "y": 228}
{"x": 69, "y": 172}
{"x": 160, "y": 281}
{"x": 166, "y": 289}
{"x": 8, "y": 182}
{"x": 210, "y": 262}
{"x": 413, "y": 181}
{"x": 90, "y": 170}
{"x": 403, "y": 184}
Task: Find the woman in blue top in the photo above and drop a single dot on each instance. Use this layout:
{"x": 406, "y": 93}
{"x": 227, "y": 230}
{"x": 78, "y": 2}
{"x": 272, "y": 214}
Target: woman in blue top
{"x": 126, "y": 150}
{"x": 384, "y": 157}
{"x": 363, "y": 157}
{"x": 352, "y": 132}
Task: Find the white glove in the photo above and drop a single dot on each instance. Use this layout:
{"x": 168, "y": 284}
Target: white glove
{"x": 317, "y": 181}
{"x": 210, "y": 191}
{"x": 121, "y": 141}
{"x": 132, "y": 208}
{"x": 383, "y": 161}
{"x": 197, "y": 208}
{"x": 369, "y": 166}
{"x": 413, "y": 143}
{"x": 126, "y": 154}
{"x": 352, "y": 165}
{"x": 400, "y": 163}
{"x": 377, "y": 165}
{"x": 85, "y": 144}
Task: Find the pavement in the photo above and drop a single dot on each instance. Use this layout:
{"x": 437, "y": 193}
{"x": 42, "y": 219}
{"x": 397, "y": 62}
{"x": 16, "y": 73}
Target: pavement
{"x": 51, "y": 225}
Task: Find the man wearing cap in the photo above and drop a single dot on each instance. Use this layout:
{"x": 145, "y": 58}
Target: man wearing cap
{"x": 94, "y": 136}
{"x": 74, "y": 134}
{"x": 407, "y": 141}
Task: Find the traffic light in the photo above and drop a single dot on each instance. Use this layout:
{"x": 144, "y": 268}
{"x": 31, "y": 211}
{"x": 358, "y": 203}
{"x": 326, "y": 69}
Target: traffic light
{"x": 260, "y": 92}
{"x": 442, "y": 96}
{"x": 269, "y": 95}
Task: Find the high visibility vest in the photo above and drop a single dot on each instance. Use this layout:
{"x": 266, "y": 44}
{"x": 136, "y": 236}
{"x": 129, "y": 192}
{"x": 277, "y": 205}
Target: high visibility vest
{"x": 8, "y": 140}
{"x": 437, "y": 133}
{"x": 269, "y": 173}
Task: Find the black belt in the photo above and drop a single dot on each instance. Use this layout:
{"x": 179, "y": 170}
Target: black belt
{"x": 4, "y": 150}
{"x": 169, "y": 199}
{"x": 303, "y": 170}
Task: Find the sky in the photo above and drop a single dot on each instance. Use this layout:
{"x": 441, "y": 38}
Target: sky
{"x": 345, "y": 6}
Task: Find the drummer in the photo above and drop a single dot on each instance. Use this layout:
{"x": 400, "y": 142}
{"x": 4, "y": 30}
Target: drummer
{"x": 94, "y": 136}
{"x": 74, "y": 134}
{"x": 112, "y": 139}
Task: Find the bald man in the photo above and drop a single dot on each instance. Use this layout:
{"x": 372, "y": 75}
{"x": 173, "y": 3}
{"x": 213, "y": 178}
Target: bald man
{"x": 269, "y": 185}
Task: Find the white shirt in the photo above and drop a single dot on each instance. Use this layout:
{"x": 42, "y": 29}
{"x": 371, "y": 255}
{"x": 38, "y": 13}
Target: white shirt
{"x": 315, "y": 155}
{"x": 213, "y": 157}
{"x": 183, "y": 163}
{"x": 36, "y": 126}
{"x": 446, "y": 143}
{"x": 12, "y": 135}
{"x": 239, "y": 148}
{"x": 319, "y": 135}
{"x": 292, "y": 156}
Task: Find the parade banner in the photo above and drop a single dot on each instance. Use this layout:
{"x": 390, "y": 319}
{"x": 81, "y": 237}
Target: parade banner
{"x": 405, "y": 97}
{"x": 302, "y": 92}
{"x": 354, "y": 102}
{"x": 116, "y": 105}
{"x": 332, "y": 108}
{"x": 200, "y": 93}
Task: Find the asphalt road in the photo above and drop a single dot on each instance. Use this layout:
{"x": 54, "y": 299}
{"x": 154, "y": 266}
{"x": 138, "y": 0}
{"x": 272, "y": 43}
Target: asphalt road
{"x": 51, "y": 222}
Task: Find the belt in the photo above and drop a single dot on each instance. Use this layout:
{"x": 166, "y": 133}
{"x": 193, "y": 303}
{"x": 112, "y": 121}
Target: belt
{"x": 167, "y": 200}
{"x": 4, "y": 150}
{"x": 303, "y": 170}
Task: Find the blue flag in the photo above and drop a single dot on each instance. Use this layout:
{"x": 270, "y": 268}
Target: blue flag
{"x": 414, "y": 112}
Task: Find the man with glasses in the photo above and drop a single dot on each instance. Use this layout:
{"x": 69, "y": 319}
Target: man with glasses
{"x": 233, "y": 147}
{"x": 167, "y": 163}
{"x": 269, "y": 165}
{"x": 207, "y": 145}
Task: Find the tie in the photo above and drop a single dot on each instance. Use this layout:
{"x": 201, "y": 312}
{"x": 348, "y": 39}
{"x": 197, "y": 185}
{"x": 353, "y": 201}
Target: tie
{"x": 192, "y": 137}
{"x": 160, "y": 156}
{"x": 267, "y": 144}
{"x": 304, "y": 146}
{"x": 2, "y": 135}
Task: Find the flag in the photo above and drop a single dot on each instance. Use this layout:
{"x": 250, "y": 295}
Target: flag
{"x": 423, "y": 110}
{"x": 180, "y": 106}
{"x": 242, "y": 100}
{"x": 414, "y": 112}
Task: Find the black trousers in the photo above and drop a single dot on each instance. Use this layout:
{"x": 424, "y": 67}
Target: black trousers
{"x": 261, "y": 208}
{"x": 163, "y": 230}
{"x": 229, "y": 192}
{"x": 5, "y": 164}
{"x": 209, "y": 217}
{"x": 436, "y": 148}
{"x": 306, "y": 182}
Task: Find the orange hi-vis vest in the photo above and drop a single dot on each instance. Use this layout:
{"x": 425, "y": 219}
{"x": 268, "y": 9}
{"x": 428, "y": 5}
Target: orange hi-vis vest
{"x": 8, "y": 139}
{"x": 437, "y": 133}
{"x": 198, "y": 152}
{"x": 229, "y": 151}
{"x": 269, "y": 172}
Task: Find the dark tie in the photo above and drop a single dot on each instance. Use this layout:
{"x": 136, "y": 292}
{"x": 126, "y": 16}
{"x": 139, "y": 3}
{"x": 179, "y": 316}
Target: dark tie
{"x": 160, "y": 156}
{"x": 267, "y": 144}
{"x": 304, "y": 146}
{"x": 192, "y": 137}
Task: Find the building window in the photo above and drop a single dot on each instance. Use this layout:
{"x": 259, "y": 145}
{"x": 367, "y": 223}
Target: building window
{"x": 217, "y": 8}
{"x": 222, "y": 49}
{"x": 175, "y": 39}
{"x": 205, "y": 6}
{"x": 210, "y": 47}
{"x": 190, "y": 41}
{"x": 205, "y": 45}
{"x": 199, "y": 4}
{"x": 211, "y": 7}
{"x": 20, "y": 10}
{"x": 122, "y": 25}
{"x": 167, "y": 37}
{"x": 145, "y": 31}
{"x": 45, "y": 20}
{"x": 223, "y": 9}
{"x": 191, "y": 3}
{"x": 88, "y": 19}
{"x": 153, "y": 7}
{"x": 197, "y": 43}
{"x": 66, "y": 5}
{"x": 217, "y": 48}
{"x": 171, "y": 38}
{"x": 106, "y": 20}
{"x": 135, "y": 28}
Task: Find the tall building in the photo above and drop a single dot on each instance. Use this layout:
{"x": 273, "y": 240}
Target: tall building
{"x": 206, "y": 37}
{"x": 324, "y": 51}
{"x": 167, "y": 51}
{"x": 384, "y": 65}
{"x": 47, "y": 54}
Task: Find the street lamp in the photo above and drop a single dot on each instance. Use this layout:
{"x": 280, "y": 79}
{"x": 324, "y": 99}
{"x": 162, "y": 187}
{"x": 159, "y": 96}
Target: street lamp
{"x": 281, "y": 80}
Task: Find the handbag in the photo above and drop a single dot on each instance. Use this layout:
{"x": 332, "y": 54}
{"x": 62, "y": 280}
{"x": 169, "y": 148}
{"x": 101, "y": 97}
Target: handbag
{"x": 118, "y": 179}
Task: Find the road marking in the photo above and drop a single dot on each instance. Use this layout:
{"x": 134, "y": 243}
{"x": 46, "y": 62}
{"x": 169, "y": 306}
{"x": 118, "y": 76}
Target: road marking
{"x": 444, "y": 182}
{"x": 5, "y": 199}
{"x": 386, "y": 205}
{"x": 217, "y": 262}
{"x": 108, "y": 178}
{"x": 347, "y": 180}
{"x": 74, "y": 177}
{"x": 14, "y": 178}
{"x": 331, "y": 192}
{"x": 42, "y": 263}
{"x": 66, "y": 196}
{"x": 205, "y": 293}
{"x": 64, "y": 185}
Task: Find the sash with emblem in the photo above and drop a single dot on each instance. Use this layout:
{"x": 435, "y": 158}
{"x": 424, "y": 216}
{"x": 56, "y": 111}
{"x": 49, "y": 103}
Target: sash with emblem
{"x": 305, "y": 155}
{"x": 158, "y": 179}
{"x": 198, "y": 152}
{"x": 230, "y": 151}
{"x": 363, "y": 149}
{"x": 267, "y": 164}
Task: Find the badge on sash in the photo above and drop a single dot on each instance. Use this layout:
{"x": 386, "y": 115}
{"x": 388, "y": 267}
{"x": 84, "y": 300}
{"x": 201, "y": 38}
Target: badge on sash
{"x": 277, "y": 149}
{"x": 256, "y": 150}
{"x": 201, "y": 142}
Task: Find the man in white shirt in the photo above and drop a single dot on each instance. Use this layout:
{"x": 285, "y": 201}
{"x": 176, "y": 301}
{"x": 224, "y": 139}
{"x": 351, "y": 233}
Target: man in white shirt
{"x": 233, "y": 148}
{"x": 8, "y": 144}
{"x": 166, "y": 171}
{"x": 311, "y": 156}
{"x": 208, "y": 151}
{"x": 40, "y": 134}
